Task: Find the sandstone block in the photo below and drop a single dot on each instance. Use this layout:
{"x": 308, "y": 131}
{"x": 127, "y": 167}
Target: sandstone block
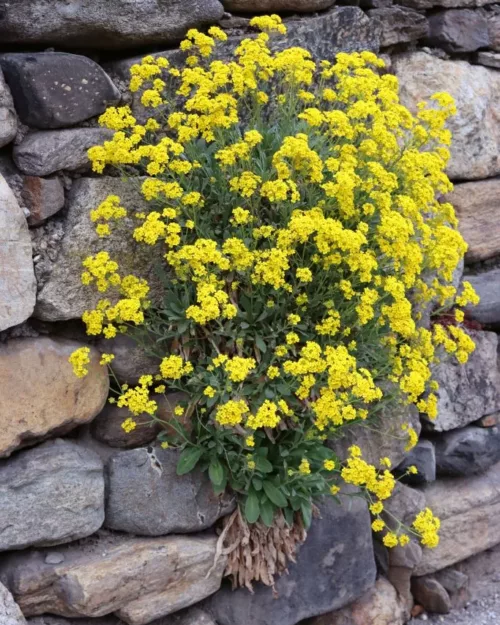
{"x": 137, "y": 579}
{"x": 476, "y": 134}
{"x": 469, "y": 509}
{"x": 43, "y": 197}
{"x": 41, "y": 395}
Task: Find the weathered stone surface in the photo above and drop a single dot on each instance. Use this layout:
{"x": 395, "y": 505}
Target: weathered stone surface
{"x": 383, "y": 437}
{"x": 469, "y": 509}
{"x": 138, "y": 579}
{"x": 56, "y": 89}
{"x": 46, "y": 151}
{"x": 50, "y": 494}
{"x": 17, "y": 279}
{"x": 494, "y": 29}
{"x": 275, "y": 6}
{"x": 402, "y": 562}
{"x": 41, "y": 395}
{"x": 380, "y": 605}
{"x": 489, "y": 421}
{"x": 467, "y": 451}
{"x": 399, "y": 25}
{"x": 62, "y": 295}
{"x": 404, "y": 505}
{"x": 452, "y": 580}
{"x": 476, "y": 134}
{"x": 341, "y": 29}
{"x": 429, "y": 593}
{"x": 476, "y": 205}
{"x": 47, "y": 619}
{"x": 10, "y": 613}
{"x": 131, "y": 360}
{"x": 423, "y": 457}
{"x": 334, "y": 567}
{"x": 43, "y": 197}
{"x": 468, "y": 392}
{"x": 490, "y": 59}
{"x": 487, "y": 286}
{"x": 482, "y": 572}
{"x": 189, "y": 616}
{"x": 459, "y": 30}
{"x": 147, "y": 497}
{"x": 8, "y": 119}
{"x": 107, "y": 428}
{"x": 104, "y": 24}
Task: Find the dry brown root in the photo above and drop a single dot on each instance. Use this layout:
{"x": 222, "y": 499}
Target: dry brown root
{"x": 257, "y": 553}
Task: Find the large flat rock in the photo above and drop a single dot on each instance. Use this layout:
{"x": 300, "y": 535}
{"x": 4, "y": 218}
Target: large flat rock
{"x": 475, "y": 151}
{"x": 469, "y": 509}
{"x": 41, "y": 396}
{"x": 17, "y": 278}
{"x": 103, "y": 24}
{"x": 49, "y": 495}
{"x": 476, "y": 205}
{"x": 334, "y": 567}
{"x": 137, "y": 579}
{"x": 147, "y": 497}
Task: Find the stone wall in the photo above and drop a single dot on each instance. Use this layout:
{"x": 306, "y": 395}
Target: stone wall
{"x": 95, "y": 527}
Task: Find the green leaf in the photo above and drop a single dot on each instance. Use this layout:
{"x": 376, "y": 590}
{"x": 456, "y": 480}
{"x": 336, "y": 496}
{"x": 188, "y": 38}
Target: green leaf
{"x": 306, "y": 510}
{"x": 263, "y": 464}
{"x": 261, "y": 344}
{"x": 256, "y": 483}
{"x": 267, "y": 512}
{"x": 275, "y": 495}
{"x": 220, "y": 488}
{"x": 188, "y": 460}
{"x": 288, "y": 512}
{"x": 216, "y": 472}
{"x": 252, "y": 507}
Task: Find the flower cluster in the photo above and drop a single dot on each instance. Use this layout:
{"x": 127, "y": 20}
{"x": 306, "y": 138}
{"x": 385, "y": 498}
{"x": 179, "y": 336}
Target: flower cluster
{"x": 292, "y": 203}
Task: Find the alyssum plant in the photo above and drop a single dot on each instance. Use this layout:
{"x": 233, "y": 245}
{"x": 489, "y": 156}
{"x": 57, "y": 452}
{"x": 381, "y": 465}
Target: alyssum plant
{"x": 291, "y": 206}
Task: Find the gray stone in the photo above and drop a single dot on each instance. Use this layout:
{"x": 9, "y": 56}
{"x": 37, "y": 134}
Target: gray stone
{"x": 482, "y": 571}
{"x": 137, "y": 579}
{"x": 49, "y": 495}
{"x": 470, "y": 391}
{"x": 467, "y": 451}
{"x": 423, "y": 457}
{"x": 445, "y": 4}
{"x": 452, "y": 580}
{"x": 17, "y": 278}
{"x": 375, "y": 4}
{"x": 403, "y": 506}
{"x": 275, "y": 6}
{"x": 341, "y": 29}
{"x": 475, "y": 146}
{"x": 190, "y": 616}
{"x": 334, "y": 567}
{"x": 10, "y": 613}
{"x": 54, "y": 557}
{"x": 429, "y": 593}
{"x": 494, "y": 29}
{"x": 489, "y": 421}
{"x": 147, "y": 497}
{"x": 39, "y": 385}
{"x": 469, "y": 510}
{"x": 8, "y": 119}
{"x": 62, "y": 295}
{"x": 44, "y": 152}
{"x": 47, "y": 619}
{"x": 56, "y": 89}
{"x": 43, "y": 197}
{"x": 131, "y": 360}
{"x": 399, "y": 25}
{"x": 476, "y": 206}
{"x": 490, "y": 59}
{"x": 381, "y": 437}
{"x": 104, "y": 24}
{"x": 487, "y": 286}
{"x": 458, "y": 30}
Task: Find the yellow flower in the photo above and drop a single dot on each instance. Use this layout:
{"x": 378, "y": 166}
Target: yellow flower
{"x": 209, "y": 391}
{"x": 329, "y": 465}
{"x": 106, "y": 359}
{"x": 250, "y": 441}
{"x": 165, "y": 445}
{"x": 128, "y": 425}
{"x": 304, "y": 467}
{"x": 273, "y": 372}
{"x": 79, "y": 359}
{"x": 378, "y": 525}
{"x": 390, "y": 539}
{"x": 178, "y": 411}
